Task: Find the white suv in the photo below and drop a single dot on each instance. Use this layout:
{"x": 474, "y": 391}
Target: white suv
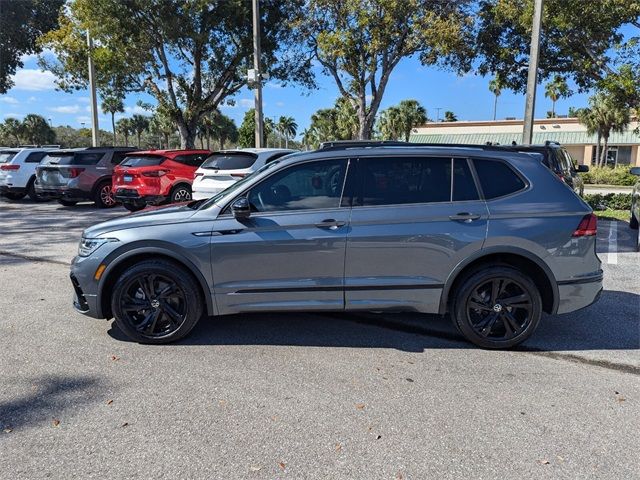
{"x": 18, "y": 171}
{"x": 224, "y": 168}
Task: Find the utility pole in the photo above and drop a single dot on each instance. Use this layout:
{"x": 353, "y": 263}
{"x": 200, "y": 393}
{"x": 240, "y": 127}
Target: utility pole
{"x": 438, "y": 114}
{"x": 532, "y": 79}
{"x": 258, "y": 73}
{"x": 92, "y": 88}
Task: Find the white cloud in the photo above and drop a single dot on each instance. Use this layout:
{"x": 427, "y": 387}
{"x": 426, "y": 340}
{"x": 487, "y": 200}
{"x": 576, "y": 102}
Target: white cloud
{"x": 34, "y": 80}
{"x": 246, "y": 103}
{"x": 279, "y": 104}
{"x": 65, "y": 109}
{"x": 274, "y": 85}
{"x": 84, "y": 119}
{"x": 13, "y": 115}
{"x": 242, "y": 103}
{"x": 84, "y": 99}
{"x": 9, "y": 100}
{"x": 137, "y": 109}
{"x": 32, "y": 99}
{"x": 47, "y": 52}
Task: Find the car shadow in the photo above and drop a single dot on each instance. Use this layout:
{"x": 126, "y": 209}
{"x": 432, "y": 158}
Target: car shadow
{"x": 593, "y": 328}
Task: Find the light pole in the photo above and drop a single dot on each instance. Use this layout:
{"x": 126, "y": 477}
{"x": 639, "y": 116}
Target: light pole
{"x": 92, "y": 89}
{"x": 532, "y": 78}
{"x": 258, "y": 74}
{"x": 438, "y": 114}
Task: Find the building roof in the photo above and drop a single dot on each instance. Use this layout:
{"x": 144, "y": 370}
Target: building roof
{"x": 564, "y": 138}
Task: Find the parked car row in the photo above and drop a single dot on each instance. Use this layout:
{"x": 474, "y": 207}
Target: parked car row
{"x": 111, "y": 175}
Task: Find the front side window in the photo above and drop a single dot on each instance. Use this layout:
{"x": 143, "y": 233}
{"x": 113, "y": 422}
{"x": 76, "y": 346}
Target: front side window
{"x": 313, "y": 185}
{"x": 404, "y": 180}
{"x": 497, "y": 178}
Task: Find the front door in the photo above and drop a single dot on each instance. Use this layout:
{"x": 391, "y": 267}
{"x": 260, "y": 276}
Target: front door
{"x": 413, "y": 220}
{"x": 289, "y": 254}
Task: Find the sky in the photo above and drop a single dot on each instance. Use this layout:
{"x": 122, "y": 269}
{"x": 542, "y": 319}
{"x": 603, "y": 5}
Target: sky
{"x": 467, "y": 96}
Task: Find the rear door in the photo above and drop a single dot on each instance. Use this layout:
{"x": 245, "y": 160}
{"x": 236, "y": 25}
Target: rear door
{"x": 289, "y": 254}
{"x": 412, "y": 222}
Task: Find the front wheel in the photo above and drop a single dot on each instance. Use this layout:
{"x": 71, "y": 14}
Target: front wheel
{"x": 180, "y": 193}
{"x": 497, "y": 307}
{"x": 157, "y": 302}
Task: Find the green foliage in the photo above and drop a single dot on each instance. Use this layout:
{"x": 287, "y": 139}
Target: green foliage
{"x": 608, "y": 214}
{"x": 555, "y": 90}
{"x": 612, "y": 201}
{"x": 449, "y": 116}
{"x": 609, "y": 176}
{"x": 247, "y": 130}
{"x": 220, "y": 127}
{"x": 113, "y": 104}
{"x": 21, "y": 23}
{"x": 32, "y": 130}
{"x": 359, "y": 43}
{"x": 398, "y": 121}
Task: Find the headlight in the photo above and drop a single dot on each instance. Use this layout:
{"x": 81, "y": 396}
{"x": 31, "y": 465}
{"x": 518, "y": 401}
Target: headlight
{"x": 89, "y": 245}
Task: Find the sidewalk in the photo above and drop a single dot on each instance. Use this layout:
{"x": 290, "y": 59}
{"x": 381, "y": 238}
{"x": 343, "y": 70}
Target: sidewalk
{"x": 604, "y": 189}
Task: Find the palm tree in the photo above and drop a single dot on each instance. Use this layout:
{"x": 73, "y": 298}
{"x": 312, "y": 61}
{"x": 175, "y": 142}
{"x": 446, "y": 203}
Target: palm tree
{"x": 390, "y": 124}
{"x": 125, "y": 127}
{"x": 495, "y": 86}
{"x": 555, "y": 90}
{"x": 36, "y": 130}
{"x": 112, "y": 104}
{"x": 139, "y": 124}
{"x": 163, "y": 126}
{"x": 308, "y": 138}
{"x": 411, "y": 115}
{"x": 603, "y": 117}
{"x": 449, "y": 116}
{"x": 288, "y": 128}
{"x": 12, "y": 127}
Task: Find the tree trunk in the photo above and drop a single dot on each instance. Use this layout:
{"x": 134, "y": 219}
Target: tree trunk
{"x": 187, "y": 134}
{"x": 286, "y": 141}
{"x": 201, "y": 142}
{"x": 126, "y": 139}
{"x": 605, "y": 151}
{"x": 495, "y": 106}
{"x": 208, "y": 141}
{"x": 553, "y": 108}
{"x": 166, "y": 140}
{"x": 597, "y": 156}
{"x": 113, "y": 125}
{"x": 138, "y": 137}
{"x": 222, "y": 139}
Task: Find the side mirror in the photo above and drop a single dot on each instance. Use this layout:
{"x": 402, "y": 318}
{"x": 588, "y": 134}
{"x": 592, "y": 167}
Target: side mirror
{"x": 635, "y": 171}
{"x": 240, "y": 208}
{"x": 583, "y": 168}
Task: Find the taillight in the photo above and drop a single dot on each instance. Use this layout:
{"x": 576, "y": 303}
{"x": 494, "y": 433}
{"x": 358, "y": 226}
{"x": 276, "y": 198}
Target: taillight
{"x": 587, "y": 227}
{"x": 155, "y": 173}
{"x": 9, "y": 167}
{"x": 239, "y": 175}
{"x": 74, "y": 172}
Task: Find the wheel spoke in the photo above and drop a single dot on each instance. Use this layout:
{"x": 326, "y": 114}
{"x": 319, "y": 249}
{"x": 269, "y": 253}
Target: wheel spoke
{"x": 516, "y": 300}
{"x": 479, "y": 306}
{"x": 174, "y": 316}
{"x": 167, "y": 291}
{"x": 484, "y": 327}
{"x": 511, "y": 325}
{"x": 496, "y": 289}
{"x": 142, "y": 327}
{"x": 134, "y": 304}
{"x": 154, "y": 320}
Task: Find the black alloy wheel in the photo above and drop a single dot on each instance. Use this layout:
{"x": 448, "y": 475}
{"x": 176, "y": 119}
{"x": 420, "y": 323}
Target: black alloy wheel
{"x": 156, "y": 302}
{"x": 498, "y": 307}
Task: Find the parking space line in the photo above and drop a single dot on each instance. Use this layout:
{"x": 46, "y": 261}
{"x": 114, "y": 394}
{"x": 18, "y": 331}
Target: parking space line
{"x": 612, "y": 256}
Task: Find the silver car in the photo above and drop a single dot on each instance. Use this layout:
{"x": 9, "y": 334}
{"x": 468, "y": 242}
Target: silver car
{"x": 485, "y": 235}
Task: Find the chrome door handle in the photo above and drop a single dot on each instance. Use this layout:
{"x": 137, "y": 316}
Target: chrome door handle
{"x": 464, "y": 217}
{"x": 331, "y": 224}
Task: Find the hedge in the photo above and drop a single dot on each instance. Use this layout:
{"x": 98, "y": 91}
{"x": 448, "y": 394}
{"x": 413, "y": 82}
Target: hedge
{"x": 613, "y": 201}
{"x": 609, "y": 176}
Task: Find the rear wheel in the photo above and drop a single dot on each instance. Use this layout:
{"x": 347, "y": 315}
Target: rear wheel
{"x": 31, "y": 191}
{"x": 180, "y": 193}
{"x": 633, "y": 222}
{"x": 497, "y": 307}
{"x": 67, "y": 203}
{"x": 103, "y": 196}
{"x": 156, "y": 302}
{"x": 15, "y": 196}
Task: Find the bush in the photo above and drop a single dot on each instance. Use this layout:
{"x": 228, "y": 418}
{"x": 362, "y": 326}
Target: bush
{"x": 609, "y": 176}
{"x": 613, "y": 201}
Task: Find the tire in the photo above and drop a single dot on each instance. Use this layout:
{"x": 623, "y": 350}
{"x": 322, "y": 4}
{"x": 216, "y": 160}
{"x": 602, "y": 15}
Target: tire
{"x": 15, "y": 196}
{"x": 133, "y": 207}
{"x": 67, "y": 203}
{"x": 103, "y": 196}
{"x": 633, "y": 222}
{"x": 180, "y": 193}
{"x": 483, "y": 316}
{"x": 31, "y": 191}
{"x": 146, "y": 314}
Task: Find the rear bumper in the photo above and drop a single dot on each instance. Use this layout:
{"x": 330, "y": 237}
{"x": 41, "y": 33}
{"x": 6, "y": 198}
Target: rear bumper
{"x": 4, "y": 189}
{"x": 64, "y": 193}
{"x": 131, "y": 195}
{"x": 577, "y": 294}
{"x": 205, "y": 193}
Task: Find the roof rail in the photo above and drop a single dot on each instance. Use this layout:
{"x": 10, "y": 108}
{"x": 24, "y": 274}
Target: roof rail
{"x": 344, "y": 144}
{"x": 49, "y": 146}
{"x": 27, "y": 146}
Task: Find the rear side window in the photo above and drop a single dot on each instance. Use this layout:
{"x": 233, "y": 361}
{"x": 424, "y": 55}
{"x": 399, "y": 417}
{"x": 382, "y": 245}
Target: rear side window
{"x": 229, "y": 161}
{"x": 194, "y": 160}
{"x": 497, "y": 178}
{"x": 142, "y": 160}
{"x": 80, "y": 158}
{"x": 118, "y": 157}
{"x": 6, "y": 156}
{"x": 35, "y": 157}
{"x": 395, "y": 181}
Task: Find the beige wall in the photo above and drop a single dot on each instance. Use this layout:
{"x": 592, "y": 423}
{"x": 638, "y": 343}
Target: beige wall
{"x": 579, "y": 153}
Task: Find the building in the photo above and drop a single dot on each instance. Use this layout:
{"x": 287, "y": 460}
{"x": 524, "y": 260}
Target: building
{"x": 624, "y": 148}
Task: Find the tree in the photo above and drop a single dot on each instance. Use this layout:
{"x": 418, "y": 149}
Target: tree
{"x": 223, "y": 128}
{"x": 495, "y": 86}
{"x": 555, "y": 90}
{"x": 449, "y": 116}
{"x": 359, "y": 44}
{"x": 36, "y": 130}
{"x": 307, "y": 138}
{"x": 12, "y": 128}
{"x": 602, "y": 117}
{"x": 162, "y": 125}
{"x": 247, "y": 130}
{"x": 288, "y": 128}
{"x": 139, "y": 124}
{"x": 576, "y": 41}
{"x": 113, "y": 104}
{"x": 412, "y": 114}
{"x": 125, "y": 127}
{"x": 190, "y": 56}
{"x": 389, "y": 124}
{"x": 21, "y": 23}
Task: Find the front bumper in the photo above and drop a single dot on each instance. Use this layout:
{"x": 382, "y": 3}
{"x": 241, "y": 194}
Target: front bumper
{"x": 85, "y": 288}
{"x": 577, "y": 294}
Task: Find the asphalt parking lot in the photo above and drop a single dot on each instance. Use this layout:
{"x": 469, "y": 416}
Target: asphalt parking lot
{"x": 306, "y": 396}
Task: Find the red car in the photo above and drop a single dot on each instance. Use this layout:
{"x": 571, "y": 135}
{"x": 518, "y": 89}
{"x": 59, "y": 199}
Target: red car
{"x": 153, "y": 177}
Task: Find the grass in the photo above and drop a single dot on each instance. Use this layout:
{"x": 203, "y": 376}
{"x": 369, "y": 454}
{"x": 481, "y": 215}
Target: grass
{"x": 610, "y": 214}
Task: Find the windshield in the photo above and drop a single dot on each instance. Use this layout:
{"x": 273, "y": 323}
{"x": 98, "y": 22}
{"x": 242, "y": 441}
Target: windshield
{"x": 142, "y": 161}
{"x": 6, "y": 156}
{"x": 230, "y": 161}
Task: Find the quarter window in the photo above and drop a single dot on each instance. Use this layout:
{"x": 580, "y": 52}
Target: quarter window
{"x": 314, "y": 185}
{"x": 35, "y": 157}
{"x": 464, "y": 187}
{"x": 497, "y": 179}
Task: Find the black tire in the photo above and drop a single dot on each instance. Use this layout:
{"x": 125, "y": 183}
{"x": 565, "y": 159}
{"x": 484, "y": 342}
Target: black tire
{"x": 497, "y": 307}
{"x": 633, "y": 222}
{"x": 67, "y": 203}
{"x": 15, "y": 196}
{"x": 133, "y": 207}
{"x": 31, "y": 191}
{"x": 103, "y": 196}
{"x": 146, "y": 314}
{"x": 180, "y": 193}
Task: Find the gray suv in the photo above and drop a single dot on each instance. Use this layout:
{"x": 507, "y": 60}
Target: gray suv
{"x": 79, "y": 174}
{"x": 488, "y": 236}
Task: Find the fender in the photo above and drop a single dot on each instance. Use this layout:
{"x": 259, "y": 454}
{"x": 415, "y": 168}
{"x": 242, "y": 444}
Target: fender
{"x": 148, "y": 248}
{"x": 493, "y": 250}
